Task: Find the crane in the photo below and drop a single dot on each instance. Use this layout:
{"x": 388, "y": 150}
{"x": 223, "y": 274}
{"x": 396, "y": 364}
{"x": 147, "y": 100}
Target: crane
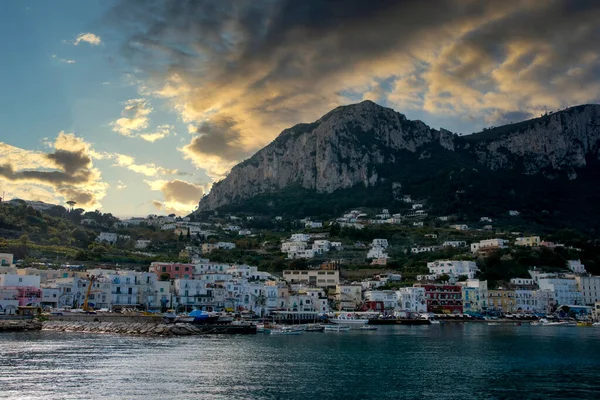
{"x": 86, "y": 307}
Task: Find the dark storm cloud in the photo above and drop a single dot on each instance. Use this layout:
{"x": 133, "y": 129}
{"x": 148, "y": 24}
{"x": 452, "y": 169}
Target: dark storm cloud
{"x": 55, "y": 178}
{"x": 81, "y": 197}
{"x": 182, "y": 192}
{"x": 70, "y": 161}
{"x": 218, "y": 137}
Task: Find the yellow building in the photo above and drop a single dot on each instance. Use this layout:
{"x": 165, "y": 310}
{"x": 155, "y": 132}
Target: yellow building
{"x": 529, "y": 241}
{"x": 501, "y": 300}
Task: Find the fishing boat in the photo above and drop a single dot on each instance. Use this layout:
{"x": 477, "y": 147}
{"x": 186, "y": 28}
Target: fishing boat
{"x": 349, "y": 319}
{"x": 336, "y": 328}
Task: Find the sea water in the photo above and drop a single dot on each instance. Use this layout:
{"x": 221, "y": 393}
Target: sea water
{"x": 448, "y": 361}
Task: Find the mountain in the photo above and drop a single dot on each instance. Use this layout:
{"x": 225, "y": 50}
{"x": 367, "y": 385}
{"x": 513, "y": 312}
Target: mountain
{"x": 365, "y": 154}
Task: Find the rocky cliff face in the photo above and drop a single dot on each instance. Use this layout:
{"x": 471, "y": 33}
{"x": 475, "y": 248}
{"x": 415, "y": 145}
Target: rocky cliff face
{"x": 348, "y": 146}
{"x": 556, "y": 142}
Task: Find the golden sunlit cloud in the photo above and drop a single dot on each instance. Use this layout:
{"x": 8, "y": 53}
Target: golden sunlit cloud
{"x": 150, "y": 169}
{"x": 67, "y": 173}
{"x": 89, "y": 38}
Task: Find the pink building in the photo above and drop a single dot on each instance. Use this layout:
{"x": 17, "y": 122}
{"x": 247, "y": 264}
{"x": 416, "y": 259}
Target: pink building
{"x": 25, "y": 295}
{"x": 175, "y": 270}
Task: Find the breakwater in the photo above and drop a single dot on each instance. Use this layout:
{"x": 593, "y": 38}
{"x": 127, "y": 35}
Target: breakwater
{"x": 149, "y": 328}
{"x": 17, "y": 325}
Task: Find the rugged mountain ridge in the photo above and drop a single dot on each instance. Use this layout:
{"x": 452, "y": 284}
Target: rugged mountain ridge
{"x": 362, "y": 144}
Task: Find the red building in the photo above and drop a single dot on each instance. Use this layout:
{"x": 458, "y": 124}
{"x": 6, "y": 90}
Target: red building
{"x": 174, "y": 270}
{"x": 443, "y": 298}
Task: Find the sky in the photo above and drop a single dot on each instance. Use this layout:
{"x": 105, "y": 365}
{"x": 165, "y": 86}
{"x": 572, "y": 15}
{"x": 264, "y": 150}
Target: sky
{"x": 137, "y": 107}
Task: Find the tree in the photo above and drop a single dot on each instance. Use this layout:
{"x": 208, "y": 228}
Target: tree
{"x": 334, "y": 229}
{"x": 189, "y": 235}
{"x": 80, "y": 236}
{"x": 164, "y": 277}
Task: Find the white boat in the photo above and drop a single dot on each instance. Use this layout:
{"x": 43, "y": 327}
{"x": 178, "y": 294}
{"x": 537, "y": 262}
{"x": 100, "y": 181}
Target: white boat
{"x": 284, "y": 330}
{"x": 368, "y": 328}
{"x": 336, "y": 328}
{"x": 545, "y": 322}
{"x": 349, "y": 319}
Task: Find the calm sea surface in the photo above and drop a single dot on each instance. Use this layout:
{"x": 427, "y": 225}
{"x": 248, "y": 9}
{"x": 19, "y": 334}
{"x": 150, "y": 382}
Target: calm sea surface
{"x": 469, "y": 361}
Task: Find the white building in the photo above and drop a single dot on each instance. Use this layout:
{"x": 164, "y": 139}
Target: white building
{"x": 8, "y": 280}
{"x": 225, "y": 245}
{"x": 453, "y": 268}
{"x": 488, "y": 244}
{"x": 525, "y": 301}
{"x": 474, "y": 295}
{"x": 388, "y": 298}
{"x": 142, "y": 244}
{"x": 377, "y": 252}
{"x": 589, "y": 286}
{"x": 423, "y": 249}
{"x": 576, "y": 266}
{"x": 315, "y": 278}
{"x": 460, "y": 227}
{"x": 107, "y": 237}
{"x": 565, "y": 290}
{"x": 313, "y": 224}
{"x": 6, "y": 259}
{"x": 454, "y": 243}
{"x": 348, "y": 297}
{"x": 300, "y": 237}
{"x": 244, "y": 232}
{"x": 412, "y": 299}
{"x": 383, "y": 243}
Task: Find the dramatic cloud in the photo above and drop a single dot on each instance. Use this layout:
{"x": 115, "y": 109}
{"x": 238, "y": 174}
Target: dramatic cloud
{"x": 238, "y": 72}
{"x": 90, "y": 38}
{"x": 157, "y": 204}
{"x": 134, "y": 117}
{"x": 151, "y": 169}
{"x": 180, "y": 196}
{"x": 67, "y": 173}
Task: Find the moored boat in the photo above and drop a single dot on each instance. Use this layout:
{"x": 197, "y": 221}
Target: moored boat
{"x": 336, "y": 328}
{"x": 368, "y": 328}
{"x": 349, "y": 319}
{"x": 284, "y": 330}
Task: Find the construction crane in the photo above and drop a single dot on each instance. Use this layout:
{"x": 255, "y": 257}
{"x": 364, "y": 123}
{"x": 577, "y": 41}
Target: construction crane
{"x": 86, "y": 307}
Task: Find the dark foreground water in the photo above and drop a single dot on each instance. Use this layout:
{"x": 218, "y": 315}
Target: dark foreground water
{"x": 437, "y": 362}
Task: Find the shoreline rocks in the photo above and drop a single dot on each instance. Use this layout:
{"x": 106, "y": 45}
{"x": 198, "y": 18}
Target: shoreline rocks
{"x": 18, "y": 325}
{"x": 140, "y": 328}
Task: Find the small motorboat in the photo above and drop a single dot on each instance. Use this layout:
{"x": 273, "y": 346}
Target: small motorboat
{"x": 283, "y": 331}
{"x": 336, "y": 328}
{"x": 314, "y": 328}
{"x": 367, "y": 328}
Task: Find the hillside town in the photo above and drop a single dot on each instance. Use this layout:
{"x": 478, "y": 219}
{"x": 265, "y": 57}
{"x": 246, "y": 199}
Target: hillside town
{"x": 241, "y": 263}
{"x": 215, "y": 286}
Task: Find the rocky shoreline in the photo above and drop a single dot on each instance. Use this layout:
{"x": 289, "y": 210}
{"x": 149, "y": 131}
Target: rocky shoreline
{"x": 144, "y": 328}
{"x": 18, "y": 325}
{"x": 147, "y": 329}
